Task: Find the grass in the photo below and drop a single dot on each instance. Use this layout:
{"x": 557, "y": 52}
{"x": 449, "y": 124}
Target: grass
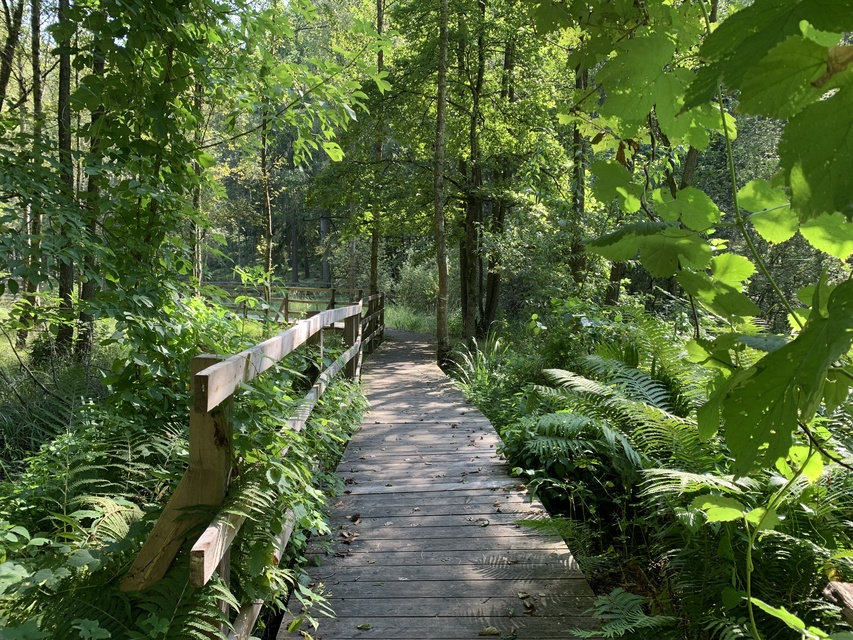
{"x": 408, "y": 319}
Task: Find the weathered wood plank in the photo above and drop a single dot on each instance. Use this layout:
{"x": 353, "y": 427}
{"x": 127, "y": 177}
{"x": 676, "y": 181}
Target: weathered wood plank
{"x": 486, "y": 607}
{"x": 571, "y": 579}
{"x": 444, "y": 627}
{"x": 444, "y": 557}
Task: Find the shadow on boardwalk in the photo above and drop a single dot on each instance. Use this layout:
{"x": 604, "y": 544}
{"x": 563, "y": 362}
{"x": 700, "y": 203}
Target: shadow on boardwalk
{"x": 424, "y": 541}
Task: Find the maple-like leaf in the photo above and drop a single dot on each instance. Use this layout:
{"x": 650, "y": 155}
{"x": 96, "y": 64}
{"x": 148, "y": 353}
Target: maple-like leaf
{"x": 816, "y": 153}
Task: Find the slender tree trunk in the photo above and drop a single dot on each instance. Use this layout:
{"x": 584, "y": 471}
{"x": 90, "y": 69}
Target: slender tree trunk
{"x": 14, "y": 18}
{"x": 86, "y": 320}
{"x": 377, "y": 146}
{"x": 31, "y": 285}
{"x": 502, "y": 206}
{"x": 442, "y": 336}
{"x": 267, "y": 204}
{"x": 352, "y": 267}
{"x": 691, "y": 161}
{"x": 325, "y": 268}
{"x": 474, "y": 199}
{"x": 614, "y": 286}
{"x": 294, "y": 250}
{"x": 577, "y": 259}
{"x": 65, "y": 334}
{"x": 198, "y": 267}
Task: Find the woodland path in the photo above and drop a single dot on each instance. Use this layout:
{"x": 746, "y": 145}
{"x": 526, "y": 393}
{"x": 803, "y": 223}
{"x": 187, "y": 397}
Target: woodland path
{"x": 424, "y": 542}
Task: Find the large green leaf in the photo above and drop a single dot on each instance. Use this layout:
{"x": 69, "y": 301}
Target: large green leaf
{"x": 633, "y": 80}
{"x": 663, "y": 247}
{"x": 759, "y": 195}
{"x": 719, "y": 508}
{"x": 832, "y": 234}
{"x": 781, "y": 84}
{"x": 816, "y": 154}
{"x": 695, "y": 209}
{"x": 731, "y": 268}
{"x": 745, "y": 38}
{"x": 761, "y": 406}
{"x": 624, "y": 243}
{"x": 612, "y": 180}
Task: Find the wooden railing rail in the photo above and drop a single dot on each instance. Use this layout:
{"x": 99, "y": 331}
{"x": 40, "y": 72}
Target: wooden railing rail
{"x": 205, "y": 483}
{"x": 297, "y": 301}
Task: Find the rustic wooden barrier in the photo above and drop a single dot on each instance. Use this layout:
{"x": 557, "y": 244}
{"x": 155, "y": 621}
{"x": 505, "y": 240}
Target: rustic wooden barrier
{"x": 205, "y": 483}
{"x": 296, "y": 301}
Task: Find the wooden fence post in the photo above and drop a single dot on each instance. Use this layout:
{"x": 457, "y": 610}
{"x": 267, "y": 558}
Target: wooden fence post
{"x": 352, "y": 332}
{"x": 381, "y": 317}
{"x": 204, "y": 485}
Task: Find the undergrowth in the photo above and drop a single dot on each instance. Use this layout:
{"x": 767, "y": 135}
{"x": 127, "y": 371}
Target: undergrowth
{"x": 83, "y": 488}
{"x": 675, "y": 544}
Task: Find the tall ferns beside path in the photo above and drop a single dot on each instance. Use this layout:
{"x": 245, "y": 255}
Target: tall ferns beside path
{"x": 648, "y": 506}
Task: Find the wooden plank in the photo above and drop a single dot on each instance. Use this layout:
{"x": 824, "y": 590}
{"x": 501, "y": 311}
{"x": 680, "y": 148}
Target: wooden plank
{"x": 487, "y": 607}
{"x": 571, "y": 581}
{"x": 444, "y": 627}
{"x": 442, "y": 557}
{"x": 430, "y": 484}
{"x": 212, "y": 546}
{"x": 497, "y": 544}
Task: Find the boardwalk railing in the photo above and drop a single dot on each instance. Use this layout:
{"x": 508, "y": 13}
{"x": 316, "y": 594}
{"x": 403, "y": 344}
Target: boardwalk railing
{"x": 292, "y": 301}
{"x": 206, "y": 480}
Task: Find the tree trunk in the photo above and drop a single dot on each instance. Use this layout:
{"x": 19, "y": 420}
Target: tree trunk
{"x": 614, "y": 286}
{"x": 377, "y": 146}
{"x": 197, "y": 235}
{"x": 501, "y": 207}
{"x": 266, "y": 204}
{"x": 86, "y": 320}
{"x": 352, "y": 281}
{"x": 294, "y": 250}
{"x": 324, "y": 242}
{"x": 442, "y": 336}
{"x": 473, "y": 199}
{"x": 65, "y": 334}
{"x": 31, "y": 284}
{"x": 14, "y": 18}
{"x": 577, "y": 259}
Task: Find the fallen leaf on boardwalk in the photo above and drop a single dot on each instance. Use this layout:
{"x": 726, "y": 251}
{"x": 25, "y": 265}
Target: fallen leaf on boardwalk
{"x": 371, "y": 562}
{"x": 363, "y": 627}
{"x": 529, "y": 607}
{"x": 350, "y": 481}
{"x": 389, "y": 524}
{"x": 389, "y": 484}
{"x": 484, "y": 523}
{"x": 523, "y": 594}
{"x": 355, "y": 517}
{"x": 490, "y": 631}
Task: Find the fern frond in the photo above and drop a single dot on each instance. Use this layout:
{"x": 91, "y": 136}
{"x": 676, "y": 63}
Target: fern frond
{"x": 622, "y": 613}
{"x": 674, "y": 482}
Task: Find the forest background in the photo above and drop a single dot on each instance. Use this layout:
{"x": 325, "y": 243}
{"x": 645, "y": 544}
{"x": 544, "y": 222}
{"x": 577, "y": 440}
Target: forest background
{"x": 633, "y": 215}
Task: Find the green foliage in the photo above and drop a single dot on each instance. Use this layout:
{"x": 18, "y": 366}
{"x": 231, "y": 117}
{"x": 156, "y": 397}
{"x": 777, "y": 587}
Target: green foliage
{"x": 76, "y": 513}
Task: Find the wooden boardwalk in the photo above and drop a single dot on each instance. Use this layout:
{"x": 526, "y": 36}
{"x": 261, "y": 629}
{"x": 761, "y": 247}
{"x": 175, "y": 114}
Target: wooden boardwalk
{"x": 425, "y": 542}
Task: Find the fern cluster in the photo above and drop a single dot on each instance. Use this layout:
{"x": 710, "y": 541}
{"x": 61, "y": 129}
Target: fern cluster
{"x": 613, "y": 446}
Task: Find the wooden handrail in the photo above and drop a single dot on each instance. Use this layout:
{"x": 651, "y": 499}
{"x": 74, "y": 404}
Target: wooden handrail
{"x": 205, "y": 483}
